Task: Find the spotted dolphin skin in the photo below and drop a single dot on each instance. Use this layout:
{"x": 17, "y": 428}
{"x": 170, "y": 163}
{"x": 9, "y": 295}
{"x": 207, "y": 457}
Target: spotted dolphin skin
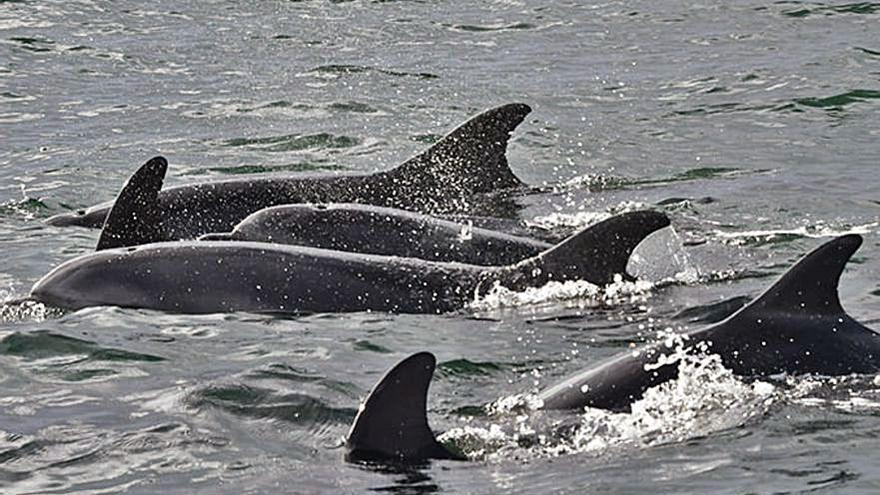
{"x": 468, "y": 161}
{"x": 797, "y": 326}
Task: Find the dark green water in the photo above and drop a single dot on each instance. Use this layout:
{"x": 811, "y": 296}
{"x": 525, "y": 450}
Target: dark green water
{"x": 753, "y": 125}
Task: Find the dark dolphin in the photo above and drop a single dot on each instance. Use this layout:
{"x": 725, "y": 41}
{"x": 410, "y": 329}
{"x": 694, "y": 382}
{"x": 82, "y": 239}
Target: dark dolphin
{"x": 379, "y": 230}
{"x": 222, "y": 276}
{"x": 468, "y": 161}
{"x": 797, "y": 326}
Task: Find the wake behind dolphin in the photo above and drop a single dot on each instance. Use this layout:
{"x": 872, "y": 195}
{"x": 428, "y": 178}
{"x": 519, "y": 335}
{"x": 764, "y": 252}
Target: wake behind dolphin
{"x": 468, "y": 161}
{"x": 796, "y": 326}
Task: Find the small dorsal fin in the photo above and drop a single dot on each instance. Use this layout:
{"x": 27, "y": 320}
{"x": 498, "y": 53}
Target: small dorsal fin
{"x": 136, "y": 217}
{"x": 595, "y": 254}
{"x": 392, "y": 424}
{"x": 812, "y": 282}
{"x": 472, "y": 158}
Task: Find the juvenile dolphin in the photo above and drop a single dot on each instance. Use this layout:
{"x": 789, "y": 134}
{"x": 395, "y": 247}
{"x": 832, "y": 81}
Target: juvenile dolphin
{"x": 380, "y": 230}
{"x": 797, "y": 326}
{"x": 444, "y": 179}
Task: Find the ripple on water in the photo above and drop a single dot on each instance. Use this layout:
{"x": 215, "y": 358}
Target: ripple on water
{"x": 280, "y": 371}
{"x": 304, "y": 166}
{"x": 596, "y": 183}
{"x": 840, "y": 100}
{"x": 335, "y": 71}
{"x": 829, "y": 10}
{"x": 67, "y": 456}
{"x": 486, "y": 28}
{"x": 314, "y": 416}
{"x": 28, "y": 208}
{"x": 69, "y": 359}
{"x": 464, "y": 368}
{"x": 294, "y": 142}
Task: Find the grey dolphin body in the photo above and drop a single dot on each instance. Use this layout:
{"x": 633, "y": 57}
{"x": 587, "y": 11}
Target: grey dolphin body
{"x": 379, "y": 230}
{"x": 797, "y": 326}
{"x": 221, "y": 276}
{"x": 468, "y": 161}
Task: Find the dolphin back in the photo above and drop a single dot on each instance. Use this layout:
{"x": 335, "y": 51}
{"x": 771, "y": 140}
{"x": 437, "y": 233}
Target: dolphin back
{"x": 798, "y": 325}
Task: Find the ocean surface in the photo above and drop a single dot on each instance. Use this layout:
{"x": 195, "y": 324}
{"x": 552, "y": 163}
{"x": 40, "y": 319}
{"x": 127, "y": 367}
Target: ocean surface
{"x": 754, "y": 125}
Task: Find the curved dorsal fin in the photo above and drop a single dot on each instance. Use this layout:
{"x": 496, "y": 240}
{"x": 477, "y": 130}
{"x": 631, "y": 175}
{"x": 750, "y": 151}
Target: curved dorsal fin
{"x": 812, "y": 282}
{"x": 392, "y": 424}
{"x": 472, "y": 158}
{"x": 135, "y": 216}
{"x": 595, "y": 254}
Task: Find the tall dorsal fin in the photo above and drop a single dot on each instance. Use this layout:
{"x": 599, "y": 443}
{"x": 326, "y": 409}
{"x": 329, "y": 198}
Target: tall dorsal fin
{"x": 136, "y": 217}
{"x": 392, "y": 424}
{"x": 812, "y": 282}
{"x": 595, "y": 254}
{"x": 472, "y": 158}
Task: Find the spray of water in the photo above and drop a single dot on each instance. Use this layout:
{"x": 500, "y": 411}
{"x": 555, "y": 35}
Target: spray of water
{"x": 704, "y": 398}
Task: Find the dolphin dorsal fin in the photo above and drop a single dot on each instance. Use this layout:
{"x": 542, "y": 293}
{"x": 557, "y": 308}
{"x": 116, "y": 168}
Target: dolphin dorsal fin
{"x": 812, "y": 282}
{"x": 135, "y": 216}
{"x": 595, "y": 254}
{"x": 392, "y": 424}
{"x": 470, "y": 159}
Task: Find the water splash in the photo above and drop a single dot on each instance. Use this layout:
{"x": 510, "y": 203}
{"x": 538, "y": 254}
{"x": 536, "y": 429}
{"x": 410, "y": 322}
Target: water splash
{"x": 582, "y": 219}
{"x": 467, "y": 231}
{"x": 27, "y": 207}
{"x": 26, "y": 311}
{"x": 705, "y": 398}
{"x": 585, "y": 293}
{"x": 13, "y": 309}
{"x": 853, "y": 394}
{"x": 769, "y": 236}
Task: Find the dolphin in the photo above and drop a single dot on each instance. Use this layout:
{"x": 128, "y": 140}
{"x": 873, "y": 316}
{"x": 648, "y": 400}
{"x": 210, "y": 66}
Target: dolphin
{"x": 381, "y": 230}
{"x": 797, "y": 326}
{"x": 224, "y": 276}
{"x": 468, "y": 161}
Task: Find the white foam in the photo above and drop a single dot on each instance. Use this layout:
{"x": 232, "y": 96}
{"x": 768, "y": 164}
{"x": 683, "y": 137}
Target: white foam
{"x": 815, "y": 231}
{"x": 22, "y": 310}
{"x": 703, "y": 399}
{"x": 581, "y": 219}
{"x": 586, "y": 293}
